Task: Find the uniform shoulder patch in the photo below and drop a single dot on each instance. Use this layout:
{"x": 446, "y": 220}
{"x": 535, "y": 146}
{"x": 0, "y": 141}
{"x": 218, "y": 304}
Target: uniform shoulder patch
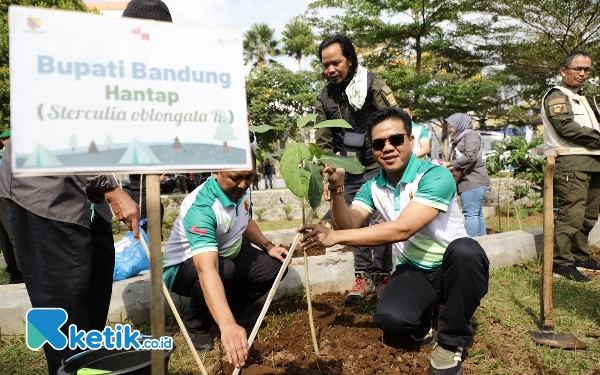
{"x": 388, "y": 96}
{"x": 557, "y": 109}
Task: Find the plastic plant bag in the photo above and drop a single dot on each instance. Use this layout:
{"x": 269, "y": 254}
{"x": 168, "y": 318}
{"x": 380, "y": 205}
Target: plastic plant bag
{"x": 130, "y": 258}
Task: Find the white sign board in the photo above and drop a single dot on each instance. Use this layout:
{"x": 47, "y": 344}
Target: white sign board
{"x": 95, "y": 94}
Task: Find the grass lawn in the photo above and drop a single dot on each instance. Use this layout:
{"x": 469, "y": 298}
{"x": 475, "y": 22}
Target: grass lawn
{"x": 267, "y": 226}
{"x": 3, "y": 276}
{"x": 501, "y": 344}
{"x": 500, "y": 224}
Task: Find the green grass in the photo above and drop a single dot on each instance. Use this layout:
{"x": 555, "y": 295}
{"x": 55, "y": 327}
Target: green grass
{"x": 267, "y": 226}
{"x": 500, "y": 224}
{"x": 4, "y": 277}
{"x": 511, "y": 308}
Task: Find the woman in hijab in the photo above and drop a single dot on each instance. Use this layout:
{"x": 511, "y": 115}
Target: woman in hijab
{"x": 469, "y": 171}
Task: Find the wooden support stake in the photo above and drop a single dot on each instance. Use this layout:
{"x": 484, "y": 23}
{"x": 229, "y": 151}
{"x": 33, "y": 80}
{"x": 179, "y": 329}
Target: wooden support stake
{"x": 157, "y": 316}
{"x": 270, "y": 296}
{"x": 184, "y": 331}
{"x": 517, "y": 213}
{"x": 508, "y": 205}
{"x": 309, "y": 303}
{"x": 548, "y": 254}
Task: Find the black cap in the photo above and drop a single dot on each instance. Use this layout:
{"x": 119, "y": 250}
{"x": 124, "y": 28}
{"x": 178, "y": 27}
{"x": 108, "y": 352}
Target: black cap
{"x": 148, "y": 10}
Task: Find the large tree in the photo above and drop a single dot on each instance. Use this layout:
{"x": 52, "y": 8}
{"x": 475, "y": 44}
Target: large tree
{"x": 402, "y": 31}
{"x": 298, "y": 40}
{"x": 259, "y": 43}
{"x": 4, "y": 69}
{"x": 532, "y": 37}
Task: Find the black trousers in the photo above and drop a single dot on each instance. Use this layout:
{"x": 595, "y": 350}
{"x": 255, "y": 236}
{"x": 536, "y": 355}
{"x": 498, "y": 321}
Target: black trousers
{"x": 7, "y": 243}
{"x": 406, "y": 304}
{"x": 376, "y": 261}
{"x": 65, "y": 266}
{"x": 246, "y": 278}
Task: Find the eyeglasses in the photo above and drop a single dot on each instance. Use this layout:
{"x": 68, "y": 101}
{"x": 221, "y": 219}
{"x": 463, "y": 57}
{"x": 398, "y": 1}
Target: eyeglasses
{"x": 577, "y": 70}
{"x": 395, "y": 140}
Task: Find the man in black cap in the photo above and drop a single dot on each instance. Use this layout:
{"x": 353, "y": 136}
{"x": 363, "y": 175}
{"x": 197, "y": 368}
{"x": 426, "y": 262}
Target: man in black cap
{"x": 148, "y": 10}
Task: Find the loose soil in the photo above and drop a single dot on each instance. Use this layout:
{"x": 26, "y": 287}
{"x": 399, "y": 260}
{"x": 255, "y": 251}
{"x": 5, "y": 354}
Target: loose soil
{"x": 314, "y": 251}
{"x": 349, "y": 343}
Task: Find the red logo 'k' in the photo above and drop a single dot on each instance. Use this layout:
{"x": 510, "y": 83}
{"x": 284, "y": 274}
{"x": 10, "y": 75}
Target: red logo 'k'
{"x": 198, "y": 231}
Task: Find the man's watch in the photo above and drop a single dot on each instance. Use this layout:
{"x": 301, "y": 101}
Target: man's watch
{"x": 335, "y": 190}
{"x": 266, "y": 245}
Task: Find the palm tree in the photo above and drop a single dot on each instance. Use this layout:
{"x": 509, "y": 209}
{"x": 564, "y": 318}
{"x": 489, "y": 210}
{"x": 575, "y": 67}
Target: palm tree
{"x": 259, "y": 42}
{"x": 298, "y": 39}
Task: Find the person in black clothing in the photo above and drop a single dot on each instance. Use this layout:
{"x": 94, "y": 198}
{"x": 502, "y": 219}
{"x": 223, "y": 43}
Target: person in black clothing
{"x": 268, "y": 174}
{"x": 353, "y": 94}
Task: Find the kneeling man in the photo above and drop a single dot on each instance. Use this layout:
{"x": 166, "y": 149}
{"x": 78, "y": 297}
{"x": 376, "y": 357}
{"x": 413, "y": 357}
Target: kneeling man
{"x": 206, "y": 260}
{"x": 436, "y": 261}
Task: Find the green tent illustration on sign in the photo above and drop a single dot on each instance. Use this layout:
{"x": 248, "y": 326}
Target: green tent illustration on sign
{"x": 139, "y": 153}
{"x": 42, "y": 158}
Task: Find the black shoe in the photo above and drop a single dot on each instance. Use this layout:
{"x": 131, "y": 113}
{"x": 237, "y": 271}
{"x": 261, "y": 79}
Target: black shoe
{"x": 203, "y": 341}
{"x": 570, "y": 272}
{"x": 588, "y": 265}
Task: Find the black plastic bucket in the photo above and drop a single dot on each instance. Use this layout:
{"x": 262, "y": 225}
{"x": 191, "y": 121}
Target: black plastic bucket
{"x": 130, "y": 362}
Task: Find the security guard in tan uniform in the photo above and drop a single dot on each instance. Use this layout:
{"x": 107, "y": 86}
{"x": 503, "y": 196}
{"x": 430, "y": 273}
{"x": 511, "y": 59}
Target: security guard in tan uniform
{"x": 353, "y": 93}
{"x": 572, "y": 135}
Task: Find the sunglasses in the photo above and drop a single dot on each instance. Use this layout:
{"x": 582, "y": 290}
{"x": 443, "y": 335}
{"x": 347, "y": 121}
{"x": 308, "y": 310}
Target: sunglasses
{"x": 395, "y": 140}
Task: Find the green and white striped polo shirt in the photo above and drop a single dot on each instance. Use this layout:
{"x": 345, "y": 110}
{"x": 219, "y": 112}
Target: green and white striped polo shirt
{"x": 208, "y": 221}
{"x": 425, "y": 183}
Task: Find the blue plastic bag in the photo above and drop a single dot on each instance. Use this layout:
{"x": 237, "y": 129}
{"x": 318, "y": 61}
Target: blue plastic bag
{"x": 130, "y": 258}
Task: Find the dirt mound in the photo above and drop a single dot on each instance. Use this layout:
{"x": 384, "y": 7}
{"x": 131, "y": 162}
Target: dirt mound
{"x": 349, "y": 343}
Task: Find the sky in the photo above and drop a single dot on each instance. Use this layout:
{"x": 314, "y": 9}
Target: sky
{"x": 240, "y": 15}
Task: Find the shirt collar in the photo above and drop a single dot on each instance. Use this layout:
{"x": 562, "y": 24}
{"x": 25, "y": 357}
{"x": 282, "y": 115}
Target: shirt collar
{"x": 575, "y": 90}
{"x": 220, "y": 194}
{"x": 410, "y": 173}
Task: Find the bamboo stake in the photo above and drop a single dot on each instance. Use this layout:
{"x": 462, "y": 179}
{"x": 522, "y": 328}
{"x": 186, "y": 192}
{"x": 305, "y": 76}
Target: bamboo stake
{"x": 508, "y": 205}
{"x": 517, "y": 213}
{"x": 499, "y": 211}
{"x": 177, "y": 317}
{"x": 270, "y": 296}
{"x": 309, "y": 303}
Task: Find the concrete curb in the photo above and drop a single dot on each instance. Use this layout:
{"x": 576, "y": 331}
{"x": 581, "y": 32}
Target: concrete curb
{"x": 328, "y": 273}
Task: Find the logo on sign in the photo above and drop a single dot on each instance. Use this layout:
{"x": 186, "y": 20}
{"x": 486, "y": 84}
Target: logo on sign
{"x": 34, "y": 24}
{"x": 138, "y": 31}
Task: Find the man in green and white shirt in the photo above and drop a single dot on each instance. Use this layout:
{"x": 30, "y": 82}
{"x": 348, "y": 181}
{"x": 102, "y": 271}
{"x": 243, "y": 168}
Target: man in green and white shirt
{"x": 422, "y": 144}
{"x": 206, "y": 260}
{"x": 436, "y": 261}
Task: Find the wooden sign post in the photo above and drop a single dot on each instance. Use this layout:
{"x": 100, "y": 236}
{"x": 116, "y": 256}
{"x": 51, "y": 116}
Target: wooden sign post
{"x": 157, "y": 316}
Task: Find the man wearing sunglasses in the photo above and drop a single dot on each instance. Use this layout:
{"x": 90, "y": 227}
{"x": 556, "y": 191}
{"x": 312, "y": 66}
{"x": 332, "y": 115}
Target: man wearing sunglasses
{"x": 572, "y": 135}
{"x": 436, "y": 261}
{"x": 353, "y": 94}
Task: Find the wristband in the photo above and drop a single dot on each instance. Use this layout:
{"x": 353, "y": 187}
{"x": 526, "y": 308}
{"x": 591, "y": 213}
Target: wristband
{"x": 335, "y": 190}
{"x": 266, "y": 244}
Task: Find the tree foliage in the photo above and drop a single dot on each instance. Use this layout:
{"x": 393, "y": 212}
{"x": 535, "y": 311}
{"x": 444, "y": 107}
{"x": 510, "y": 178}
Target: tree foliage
{"x": 276, "y": 96}
{"x": 531, "y": 38}
{"x": 260, "y": 43}
{"x": 298, "y": 40}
